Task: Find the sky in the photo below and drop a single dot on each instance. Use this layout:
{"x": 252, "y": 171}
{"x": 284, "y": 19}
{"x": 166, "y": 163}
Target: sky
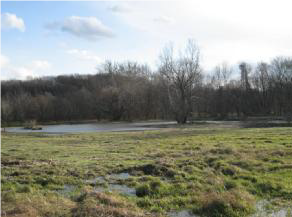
{"x": 48, "y": 38}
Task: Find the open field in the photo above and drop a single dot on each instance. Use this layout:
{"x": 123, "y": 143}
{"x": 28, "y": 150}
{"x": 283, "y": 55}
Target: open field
{"x": 209, "y": 171}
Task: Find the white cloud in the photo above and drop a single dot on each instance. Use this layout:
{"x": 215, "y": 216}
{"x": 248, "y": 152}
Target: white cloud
{"x": 11, "y": 21}
{"x": 40, "y": 65}
{"x": 19, "y": 73}
{"x": 221, "y": 29}
{"x": 4, "y": 61}
{"x": 89, "y": 28}
{"x": 84, "y": 55}
{"x": 35, "y": 68}
{"x": 119, "y": 8}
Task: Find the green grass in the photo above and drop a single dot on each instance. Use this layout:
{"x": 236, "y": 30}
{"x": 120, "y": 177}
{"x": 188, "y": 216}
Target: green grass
{"x": 211, "y": 171}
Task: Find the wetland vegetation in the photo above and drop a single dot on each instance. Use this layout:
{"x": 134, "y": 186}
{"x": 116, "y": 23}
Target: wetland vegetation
{"x": 184, "y": 171}
{"x": 99, "y": 119}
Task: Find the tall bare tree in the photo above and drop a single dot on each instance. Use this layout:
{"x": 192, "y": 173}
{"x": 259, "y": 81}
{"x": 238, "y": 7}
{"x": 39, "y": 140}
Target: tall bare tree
{"x": 180, "y": 75}
{"x": 261, "y": 83}
{"x": 221, "y": 76}
{"x": 281, "y": 70}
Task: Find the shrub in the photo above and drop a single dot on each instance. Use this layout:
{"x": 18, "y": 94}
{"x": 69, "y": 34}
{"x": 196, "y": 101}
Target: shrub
{"x": 2, "y": 180}
{"x": 228, "y": 171}
{"x": 24, "y": 189}
{"x": 144, "y": 203}
{"x": 154, "y": 187}
{"x": 8, "y": 196}
{"x": 232, "y": 203}
{"x": 230, "y": 184}
{"x": 155, "y": 184}
{"x": 100, "y": 204}
{"x": 143, "y": 190}
{"x": 154, "y": 170}
{"x": 269, "y": 188}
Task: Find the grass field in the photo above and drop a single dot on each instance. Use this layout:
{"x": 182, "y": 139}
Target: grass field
{"x": 208, "y": 171}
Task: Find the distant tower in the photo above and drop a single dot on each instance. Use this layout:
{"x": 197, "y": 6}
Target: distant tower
{"x": 244, "y": 75}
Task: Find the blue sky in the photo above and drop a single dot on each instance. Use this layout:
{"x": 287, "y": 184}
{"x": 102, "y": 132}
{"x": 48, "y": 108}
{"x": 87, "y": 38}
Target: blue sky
{"x": 52, "y": 38}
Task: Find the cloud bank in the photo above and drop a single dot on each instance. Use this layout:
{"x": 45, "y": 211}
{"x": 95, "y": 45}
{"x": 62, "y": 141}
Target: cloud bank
{"x": 89, "y": 28}
{"x": 11, "y": 21}
{"x": 83, "y": 55}
{"x": 4, "y": 61}
{"x": 34, "y": 68}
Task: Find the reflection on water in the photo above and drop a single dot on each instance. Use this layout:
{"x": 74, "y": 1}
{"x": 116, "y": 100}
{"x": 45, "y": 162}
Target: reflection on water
{"x": 122, "y": 189}
{"x": 87, "y": 128}
{"x": 119, "y": 176}
{"x": 67, "y": 190}
{"x": 113, "y": 187}
{"x": 97, "y": 180}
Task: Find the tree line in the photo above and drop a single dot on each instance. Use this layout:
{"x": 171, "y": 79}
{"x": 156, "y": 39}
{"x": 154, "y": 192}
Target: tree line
{"x": 179, "y": 89}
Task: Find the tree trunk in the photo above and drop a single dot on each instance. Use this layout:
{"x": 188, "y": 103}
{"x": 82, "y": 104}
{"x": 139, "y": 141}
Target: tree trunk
{"x": 181, "y": 117}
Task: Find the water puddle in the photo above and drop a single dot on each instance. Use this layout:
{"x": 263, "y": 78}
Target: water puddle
{"x": 119, "y": 176}
{"x": 67, "y": 190}
{"x": 97, "y": 180}
{"x": 263, "y": 211}
{"x": 93, "y": 127}
{"x": 182, "y": 213}
{"x": 122, "y": 189}
{"x": 112, "y": 186}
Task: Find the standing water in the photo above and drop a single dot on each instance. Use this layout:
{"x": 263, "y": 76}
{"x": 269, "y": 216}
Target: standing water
{"x": 93, "y": 127}
{"x": 263, "y": 211}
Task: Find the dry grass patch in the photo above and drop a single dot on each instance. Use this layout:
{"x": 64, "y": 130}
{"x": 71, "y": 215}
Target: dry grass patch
{"x": 103, "y": 205}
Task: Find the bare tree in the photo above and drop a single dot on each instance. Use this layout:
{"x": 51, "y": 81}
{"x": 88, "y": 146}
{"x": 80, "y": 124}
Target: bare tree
{"x": 5, "y": 110}
{"x": 260, "y": 78}
{"x": 180, "y": 76}
{"x": 221, "y": 76}
{"x": 281, "y": 75}
{"x": 260, "y": 81}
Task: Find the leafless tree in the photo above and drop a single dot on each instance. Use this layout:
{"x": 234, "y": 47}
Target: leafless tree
{"x": 260, "y": 82}
{"x": 5, "y": 110}
{"x": 180, "y": 75}
{"x": 221, "y": 76}
{"x": 281, "y": 75}
{"x": 261, "y": 77}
